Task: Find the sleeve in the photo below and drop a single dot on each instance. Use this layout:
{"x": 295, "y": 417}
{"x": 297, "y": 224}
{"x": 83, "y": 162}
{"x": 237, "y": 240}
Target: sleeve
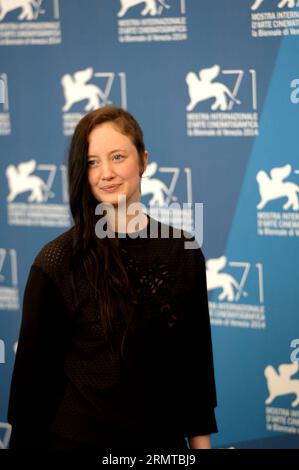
{"x": 194, "y": 350}
{"x": 38, "y": 378}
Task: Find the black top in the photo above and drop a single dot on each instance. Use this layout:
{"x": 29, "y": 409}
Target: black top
{"x": 67, "y": 382}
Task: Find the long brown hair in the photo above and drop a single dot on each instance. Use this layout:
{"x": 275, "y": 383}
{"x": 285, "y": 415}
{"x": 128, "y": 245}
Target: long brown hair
{"x": 100, "y": 258}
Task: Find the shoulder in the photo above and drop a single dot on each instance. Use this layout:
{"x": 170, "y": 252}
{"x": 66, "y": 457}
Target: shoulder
{"x": 51, "y": 275}
{"x": 182, "y": 241}
{"x": 56, "y": 253}
{"x": 179, "y": 248}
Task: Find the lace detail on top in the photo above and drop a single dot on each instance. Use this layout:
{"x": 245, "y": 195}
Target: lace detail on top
{"x": 55, "y": 260}
{"x": 153, "y": 286}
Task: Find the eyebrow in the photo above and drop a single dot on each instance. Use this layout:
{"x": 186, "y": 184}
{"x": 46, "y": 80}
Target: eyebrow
{"x": 112, "y": 151}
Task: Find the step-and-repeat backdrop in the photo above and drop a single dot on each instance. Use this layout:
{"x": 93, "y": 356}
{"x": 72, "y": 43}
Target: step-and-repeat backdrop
{"x": 215, "y": 86}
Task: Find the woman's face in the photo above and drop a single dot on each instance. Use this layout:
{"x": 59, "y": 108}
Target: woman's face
{"x": 113, "y": 165}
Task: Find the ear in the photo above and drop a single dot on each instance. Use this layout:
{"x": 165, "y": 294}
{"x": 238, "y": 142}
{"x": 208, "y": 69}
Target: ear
{"x": 145, "y": 160}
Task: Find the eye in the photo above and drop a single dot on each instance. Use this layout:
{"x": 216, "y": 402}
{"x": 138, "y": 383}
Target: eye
{"x": 118, "y": 157}
{"x": 92, "y": 163}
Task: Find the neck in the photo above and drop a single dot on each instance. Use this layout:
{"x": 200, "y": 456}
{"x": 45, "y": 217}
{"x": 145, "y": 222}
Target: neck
{"x": 125, "y": 220}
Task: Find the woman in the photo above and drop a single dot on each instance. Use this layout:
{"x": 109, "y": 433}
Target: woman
{"x": 115, "y": 343}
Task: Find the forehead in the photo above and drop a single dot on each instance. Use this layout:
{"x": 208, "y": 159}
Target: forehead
{"x": 106, "y": 137}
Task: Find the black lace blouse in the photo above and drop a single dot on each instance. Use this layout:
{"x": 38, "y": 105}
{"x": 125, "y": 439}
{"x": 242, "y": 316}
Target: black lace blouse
{"x": 157, "y": 387}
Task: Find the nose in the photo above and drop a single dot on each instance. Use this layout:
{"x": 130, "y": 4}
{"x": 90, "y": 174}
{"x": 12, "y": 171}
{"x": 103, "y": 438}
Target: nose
{"x": 107, "y": 170}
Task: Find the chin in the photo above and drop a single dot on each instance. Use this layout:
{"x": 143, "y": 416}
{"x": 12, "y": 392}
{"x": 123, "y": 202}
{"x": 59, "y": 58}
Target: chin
{"x": 112, "y": 198}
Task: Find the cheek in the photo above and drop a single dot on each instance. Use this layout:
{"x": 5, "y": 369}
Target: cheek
{"x": 131, "y": 171}
{"x": 91, "y": 177}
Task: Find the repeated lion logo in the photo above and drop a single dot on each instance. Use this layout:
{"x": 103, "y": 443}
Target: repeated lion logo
{"x": 20, "y": 180}
{"x": 76, "y": 89}
{"x": 161, "y": 195}
{"x": 2, "y": 91}
{"x": 30, "y": 9}
{"x": 5, "y": 432}
{"x": 281, "y": 4}
{"x": 151, "y": 7}
{"x": 280, "y": 383}
{"x": 224, "y": 281}
{"x": 274, "y": 187}
{"x": 202, "y": 87}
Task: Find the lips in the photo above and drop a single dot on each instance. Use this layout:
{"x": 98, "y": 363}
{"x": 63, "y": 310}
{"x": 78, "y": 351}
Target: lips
{"x": 110, "y": 188}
